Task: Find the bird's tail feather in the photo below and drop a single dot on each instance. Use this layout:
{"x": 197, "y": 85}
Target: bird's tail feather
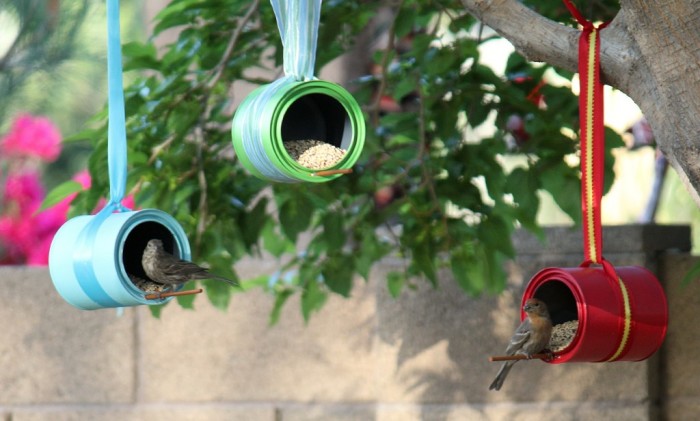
{"x": 501, "y": 376}
{"x": 221, "y": 278}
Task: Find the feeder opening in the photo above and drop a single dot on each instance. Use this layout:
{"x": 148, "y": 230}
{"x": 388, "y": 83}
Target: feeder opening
{"x": 563, "y": 310}
{"x": 135, "y": 244}
{"x": 316, "y": 131}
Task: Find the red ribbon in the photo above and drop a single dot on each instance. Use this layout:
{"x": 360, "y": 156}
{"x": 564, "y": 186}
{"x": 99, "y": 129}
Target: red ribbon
{"x": 593, "y": 162}
{"x": 592, "y": 134}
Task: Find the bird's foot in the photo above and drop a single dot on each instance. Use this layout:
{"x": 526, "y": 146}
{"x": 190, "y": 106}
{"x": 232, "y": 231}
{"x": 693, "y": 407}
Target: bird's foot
{"x": 549, "y": 353}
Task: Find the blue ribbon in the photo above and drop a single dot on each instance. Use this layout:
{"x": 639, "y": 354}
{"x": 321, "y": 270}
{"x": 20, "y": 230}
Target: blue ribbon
{"x": 117, "y": 163}
{"x": 298, "y": 22}
{"x": 116, "y": 136}
{"x": 254, "y": 130}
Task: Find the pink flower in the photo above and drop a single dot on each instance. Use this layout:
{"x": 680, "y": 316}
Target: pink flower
{"x": 83, "y": 177}
{"x": 32, "y": 136}
{"x": 26, "y": 237}
{"x": 39, "y": 255}
{"x": 24, "y": 190}
{"x": 17, "y": 236}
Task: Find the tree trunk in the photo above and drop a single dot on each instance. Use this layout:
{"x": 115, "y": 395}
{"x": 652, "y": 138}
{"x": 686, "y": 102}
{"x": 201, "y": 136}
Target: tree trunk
{"x": 650, "y": 51}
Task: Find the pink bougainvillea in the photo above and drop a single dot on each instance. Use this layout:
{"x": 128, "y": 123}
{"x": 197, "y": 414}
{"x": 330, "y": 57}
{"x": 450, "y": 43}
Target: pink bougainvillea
{"x": 24, "y": 190}
{"x": 32, "y": 136}
{"x": 25, "y": 233}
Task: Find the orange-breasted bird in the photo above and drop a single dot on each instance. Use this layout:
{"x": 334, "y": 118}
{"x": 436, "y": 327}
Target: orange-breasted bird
{"x": 531, "y": 337}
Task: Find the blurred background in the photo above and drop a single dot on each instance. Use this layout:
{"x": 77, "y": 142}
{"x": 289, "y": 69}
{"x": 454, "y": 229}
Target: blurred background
{"x": 53, "y": 64}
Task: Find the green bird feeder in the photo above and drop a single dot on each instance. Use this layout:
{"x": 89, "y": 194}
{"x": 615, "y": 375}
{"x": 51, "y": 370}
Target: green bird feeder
{"x": 298, "y": 128}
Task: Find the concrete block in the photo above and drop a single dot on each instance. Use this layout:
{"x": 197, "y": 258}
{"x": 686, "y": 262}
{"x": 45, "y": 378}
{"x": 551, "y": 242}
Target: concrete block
{"x": 176, "y": 412}
{"x": 515, "y": 412}
{"x": 326, "y": 412}
{"x": 52, "y": 352}
{"x": 681, "y": 409}
{"x": 645, "y": 238}
{"x": 208, "y": 355}
{"x": 680, "y": 363}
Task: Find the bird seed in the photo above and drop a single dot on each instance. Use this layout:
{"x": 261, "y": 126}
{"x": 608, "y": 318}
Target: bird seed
{"x": 314, "y": 154}
{"x": 562, "y": 335}
{"x": 146, "y": 285}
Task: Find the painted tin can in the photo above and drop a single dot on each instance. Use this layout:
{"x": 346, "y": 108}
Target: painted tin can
{"x": 92, "y": 256}
{"x": 288, "y": 110}
{"x": 622, "y": 319}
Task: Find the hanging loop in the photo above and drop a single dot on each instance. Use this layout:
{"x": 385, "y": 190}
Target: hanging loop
{"x": 116, "y": 160}
{"x": 592, "y": 135}
{"x": 298, "y": 22}
{"x": 116, "y": 132}
{"x": 608, "y": 268}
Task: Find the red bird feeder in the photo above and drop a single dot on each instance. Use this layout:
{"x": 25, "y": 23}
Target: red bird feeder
{"x": 619, "y": 319}
{"x": 622, "y": 313}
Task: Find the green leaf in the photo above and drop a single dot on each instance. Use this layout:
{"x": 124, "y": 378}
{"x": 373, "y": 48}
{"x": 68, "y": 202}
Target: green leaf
{"x": 312, "y": 299}
{"x": 405, "y": 21}
{"x": 183, "y": 193}
{"x": 59, "y": 193}
{"x": 258, "y": 281}
{"x": 371, "y": 250}
{"x": 295, "y": 216}
{"x": 338, "y": 273}
{"x": 218, "y": 292}
{"x": 692, "y": 274}
{"x": 333, "y": 230}
{"x": 187, "y": 301}
{"x": 275, "y": 243}
{"x": 156, "y": 310}
{"x": 523, "y": 185}
{"x": 404, "y": 87}
{"x": 395, "y": 282}
{"x": 280, "y": 299}
{"x": 253, "y": 222}
{"x": 463, "y": 270}
{"x": 423, "y": 260}
{"x": 495, "y": 232}
{"x": 83, "y": 135}
{"x": 140, "y": 56}
{"x": 565, "y": 189}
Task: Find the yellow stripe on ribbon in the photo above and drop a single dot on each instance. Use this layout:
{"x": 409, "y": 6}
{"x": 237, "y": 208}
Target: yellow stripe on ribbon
{"x": 588, "y": 174}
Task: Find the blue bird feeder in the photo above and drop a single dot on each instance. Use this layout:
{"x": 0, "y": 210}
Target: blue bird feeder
{"x": 93, "y": 258}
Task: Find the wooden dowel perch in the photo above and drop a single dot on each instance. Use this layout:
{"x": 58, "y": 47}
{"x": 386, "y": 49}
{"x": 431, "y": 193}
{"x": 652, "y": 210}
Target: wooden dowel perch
{"x": 331, "y": 172}
{"x": 520, "y": 357}
{"x": 159, "y": 295}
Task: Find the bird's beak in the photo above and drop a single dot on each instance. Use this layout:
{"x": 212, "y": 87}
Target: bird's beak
{"x": 527, "y": 308}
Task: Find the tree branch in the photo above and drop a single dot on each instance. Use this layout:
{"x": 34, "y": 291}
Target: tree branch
{"x": 649, "y": 51}
{"x": 554, "y": 43}
{"x": 551, "y": 42}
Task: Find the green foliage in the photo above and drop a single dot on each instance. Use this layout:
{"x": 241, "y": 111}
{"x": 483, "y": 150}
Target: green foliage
{"x": 41, "y": 35}
{"x": 426, "y": 190}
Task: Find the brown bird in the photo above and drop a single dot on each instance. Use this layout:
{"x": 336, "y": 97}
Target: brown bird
{"x": 164, "y": 268}
{"x": 531, "y": 337}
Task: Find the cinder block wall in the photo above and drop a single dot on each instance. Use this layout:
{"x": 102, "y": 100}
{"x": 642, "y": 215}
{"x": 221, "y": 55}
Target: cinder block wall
{"x": 420, "y": 357}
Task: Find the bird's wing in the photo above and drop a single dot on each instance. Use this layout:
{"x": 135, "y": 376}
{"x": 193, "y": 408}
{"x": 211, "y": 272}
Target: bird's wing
{"x": 521, "y": 335}
{"x": 171, "y": 265}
